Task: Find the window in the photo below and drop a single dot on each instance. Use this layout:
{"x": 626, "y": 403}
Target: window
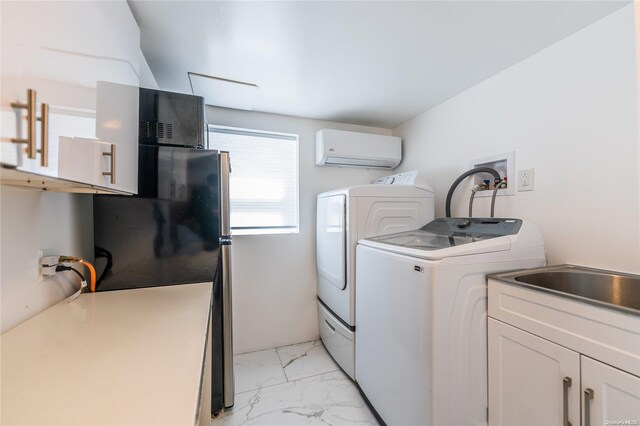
{"x": 264, "y": 179}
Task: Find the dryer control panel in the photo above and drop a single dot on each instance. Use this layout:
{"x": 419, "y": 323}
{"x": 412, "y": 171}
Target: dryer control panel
{"x": 413, "y": 178}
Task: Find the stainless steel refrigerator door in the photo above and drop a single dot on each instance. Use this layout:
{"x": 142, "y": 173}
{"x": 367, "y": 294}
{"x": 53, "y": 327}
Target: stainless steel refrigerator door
{"x": 225, "y": 246}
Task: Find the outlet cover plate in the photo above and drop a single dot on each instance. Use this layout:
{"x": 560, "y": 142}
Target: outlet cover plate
{"x": 525, "y": 180}
{"x": 43, "y": 253}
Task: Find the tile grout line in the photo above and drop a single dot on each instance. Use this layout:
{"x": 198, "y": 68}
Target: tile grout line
{"x": 314, "y": 375}
{"x": 293, "y": 381}
{"x": 282, "y": 368}
{"x": 277, "y": 347}
{"x": 253, "y": 352}
{"x": 314, "y": 344}
{"x": 262, "y": 387}
{"x": 281, "y": 365}
{"x": 267, "y": 386}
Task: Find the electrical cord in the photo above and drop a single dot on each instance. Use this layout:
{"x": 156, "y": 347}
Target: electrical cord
{"x": 100, "y": 252}
{"x": 92, "y": 273}
{"x": 75, "y": 259}
{"x": 70, "y": 268}
{"x": 83, "y": 282}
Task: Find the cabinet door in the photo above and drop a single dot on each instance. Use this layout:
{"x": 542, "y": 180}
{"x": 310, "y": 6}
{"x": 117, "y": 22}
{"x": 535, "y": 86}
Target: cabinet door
{"x": 531, "y": 380}
{"x": 117, "y": 124}
{"x": 62, "y": 50}
{"x": 610, "y": 396}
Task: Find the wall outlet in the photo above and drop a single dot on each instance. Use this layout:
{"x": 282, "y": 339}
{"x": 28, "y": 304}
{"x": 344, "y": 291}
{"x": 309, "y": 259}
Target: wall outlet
{"x": 44, "y": 253}
{"x": 525, "y": 180}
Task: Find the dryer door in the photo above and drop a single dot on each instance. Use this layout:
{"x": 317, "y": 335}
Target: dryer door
{"x": 331, "y": 236}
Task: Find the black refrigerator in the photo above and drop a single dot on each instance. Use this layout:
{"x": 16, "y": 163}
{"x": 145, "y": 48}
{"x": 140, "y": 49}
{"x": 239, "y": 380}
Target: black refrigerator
{"x": 176, "y": 229}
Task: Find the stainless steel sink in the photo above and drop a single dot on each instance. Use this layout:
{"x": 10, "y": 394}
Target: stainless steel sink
{"x": 612, "y": 289}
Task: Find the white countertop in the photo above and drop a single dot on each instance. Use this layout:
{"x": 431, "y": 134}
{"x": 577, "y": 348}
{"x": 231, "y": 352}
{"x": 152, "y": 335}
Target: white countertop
{"x": 130, "y": 357}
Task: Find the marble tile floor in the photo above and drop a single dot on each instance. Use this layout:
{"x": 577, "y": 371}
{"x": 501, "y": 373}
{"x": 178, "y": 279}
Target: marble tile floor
{"x": 293, "y": 385}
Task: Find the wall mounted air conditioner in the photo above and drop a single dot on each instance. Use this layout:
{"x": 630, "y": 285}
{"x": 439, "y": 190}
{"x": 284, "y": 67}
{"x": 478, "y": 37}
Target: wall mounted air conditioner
{"x": 353, "y": 149}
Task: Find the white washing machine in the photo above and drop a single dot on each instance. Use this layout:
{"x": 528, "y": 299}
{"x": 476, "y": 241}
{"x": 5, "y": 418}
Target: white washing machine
{"x": 421, "y": 350}
{"x": 391, "y": 204}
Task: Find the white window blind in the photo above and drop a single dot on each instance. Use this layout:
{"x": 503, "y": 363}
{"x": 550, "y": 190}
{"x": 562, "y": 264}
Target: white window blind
{"x": 264, "y": 179}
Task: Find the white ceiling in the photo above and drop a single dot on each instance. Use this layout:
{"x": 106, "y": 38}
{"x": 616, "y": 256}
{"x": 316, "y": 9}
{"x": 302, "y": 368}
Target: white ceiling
{"x": 362, "y": 62}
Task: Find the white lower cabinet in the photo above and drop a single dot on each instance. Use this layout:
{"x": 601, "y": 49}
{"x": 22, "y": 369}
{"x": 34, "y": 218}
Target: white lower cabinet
{"x": 610, "y": 396}
{"x": 533, "y": 381}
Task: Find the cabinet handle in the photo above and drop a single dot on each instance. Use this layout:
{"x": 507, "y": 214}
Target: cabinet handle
{"x": 588, "y": 397}
{"x": 112, "y": 172}
{"x": 30, "y": 106}
{"x": 566, "y": 384}
{"x": 44, "y": 134}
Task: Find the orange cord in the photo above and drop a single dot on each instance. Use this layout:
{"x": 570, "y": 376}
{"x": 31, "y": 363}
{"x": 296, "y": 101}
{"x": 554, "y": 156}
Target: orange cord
{"x": 92, "y": 272}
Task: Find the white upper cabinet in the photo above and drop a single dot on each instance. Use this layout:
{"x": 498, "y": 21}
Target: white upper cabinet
{"x": 82, "y": 60}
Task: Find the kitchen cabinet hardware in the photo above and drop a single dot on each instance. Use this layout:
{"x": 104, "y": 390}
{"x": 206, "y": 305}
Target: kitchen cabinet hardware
{"x": 588, "y": 397}
{"x": 566, "y": 384}
{"x": 30, "y": 106}
{"x": 30, "y": 140}
{"x": 44, "y": 135}
{"x": 112, "y": 172}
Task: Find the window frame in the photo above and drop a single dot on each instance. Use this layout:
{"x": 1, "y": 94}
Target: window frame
{"x": 263, "y": 230}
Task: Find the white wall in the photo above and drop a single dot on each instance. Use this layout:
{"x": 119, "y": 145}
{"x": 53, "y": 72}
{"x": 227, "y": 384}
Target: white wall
{"x": 569, "y": 111}
{"x": 29, "y": 221}
{"x": 274, "y": 276}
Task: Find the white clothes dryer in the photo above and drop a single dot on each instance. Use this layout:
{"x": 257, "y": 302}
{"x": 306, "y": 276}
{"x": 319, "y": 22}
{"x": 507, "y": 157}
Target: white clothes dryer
{"x": 391, "y": 204}
{"x": 421, "y": 351}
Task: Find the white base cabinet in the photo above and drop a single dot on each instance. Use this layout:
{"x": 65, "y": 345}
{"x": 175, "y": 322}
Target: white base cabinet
{"x": 527, "y": 373}
{"x": 542, "y": 369}
{"x": 610, "y": 396}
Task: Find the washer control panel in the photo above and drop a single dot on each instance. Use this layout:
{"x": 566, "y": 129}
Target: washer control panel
{"x": 473, "y": 226}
